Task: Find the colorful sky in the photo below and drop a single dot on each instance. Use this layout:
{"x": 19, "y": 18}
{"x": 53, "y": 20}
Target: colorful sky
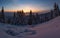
{"x": 27, "y": 5}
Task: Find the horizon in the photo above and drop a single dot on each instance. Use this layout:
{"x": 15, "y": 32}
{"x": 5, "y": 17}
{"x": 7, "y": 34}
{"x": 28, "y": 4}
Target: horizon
{"x": 25, "y": 11}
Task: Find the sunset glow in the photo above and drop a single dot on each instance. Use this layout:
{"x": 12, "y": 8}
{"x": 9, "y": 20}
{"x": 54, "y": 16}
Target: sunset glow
{"x": 25, "y": 8}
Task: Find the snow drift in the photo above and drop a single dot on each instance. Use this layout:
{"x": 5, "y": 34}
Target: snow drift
{"x": 50, "y": 29}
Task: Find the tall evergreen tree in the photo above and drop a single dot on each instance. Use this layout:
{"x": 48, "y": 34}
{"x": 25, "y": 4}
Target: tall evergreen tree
{"x": 22, "y": 17}
{"x": 56, "y": 10}
{"x": 14, "y": 18}
{"x": 30, "y": 18}
{"x": 18, "y": 17}
{"x": 14, "y": 15}
{"x": 37, "y": 18}
{"x": 2, "y": 15}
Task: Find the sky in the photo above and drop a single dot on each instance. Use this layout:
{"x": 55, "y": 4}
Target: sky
{"x": 27, "y": 5}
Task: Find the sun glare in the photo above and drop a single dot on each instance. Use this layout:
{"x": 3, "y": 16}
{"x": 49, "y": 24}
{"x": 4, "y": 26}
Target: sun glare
{"x": 27, "y": 9}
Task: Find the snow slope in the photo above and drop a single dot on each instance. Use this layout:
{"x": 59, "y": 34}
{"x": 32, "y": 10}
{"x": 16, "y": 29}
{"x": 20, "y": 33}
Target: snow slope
{"x": 49, "y": 29}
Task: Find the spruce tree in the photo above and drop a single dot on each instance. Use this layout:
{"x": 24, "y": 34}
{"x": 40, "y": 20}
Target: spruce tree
{"x": 51, "y": 14}
{"x": 14, "y": 18}
{"x": 30, "y": 18}
{"x": 2, "y": 15}
{"x": 37, "y": 18}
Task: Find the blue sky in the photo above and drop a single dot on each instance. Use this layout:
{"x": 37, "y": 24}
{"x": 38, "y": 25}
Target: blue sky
{"x": 28, "y": 4}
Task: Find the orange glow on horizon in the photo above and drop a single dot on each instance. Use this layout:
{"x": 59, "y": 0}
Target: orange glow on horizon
{"x": 27, "y": 10}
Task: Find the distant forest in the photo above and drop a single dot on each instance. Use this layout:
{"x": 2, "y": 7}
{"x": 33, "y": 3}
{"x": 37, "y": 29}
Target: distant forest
{"x": 20, "y": 18}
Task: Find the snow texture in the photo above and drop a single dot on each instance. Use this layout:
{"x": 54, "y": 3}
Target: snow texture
{"x": 50, "y": 29}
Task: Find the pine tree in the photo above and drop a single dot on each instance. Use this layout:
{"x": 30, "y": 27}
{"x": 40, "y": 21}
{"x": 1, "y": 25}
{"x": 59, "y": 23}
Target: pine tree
{"x": 37, "y": 18}
{"x": 51, "y": 14}
{"x": 56, "y": 10}
{"x": 2, "y": 15}
{"x": 14, "y": 18}
{"x": 30, "y": 18}
{"x": 22, "y": 17}
{"x": 18, "y": 17}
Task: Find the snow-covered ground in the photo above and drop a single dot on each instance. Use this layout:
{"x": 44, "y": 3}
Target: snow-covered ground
{"x": 50, "y": 29}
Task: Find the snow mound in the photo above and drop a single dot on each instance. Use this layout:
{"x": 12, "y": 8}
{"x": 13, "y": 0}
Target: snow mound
{"x": 50, "y": 29}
